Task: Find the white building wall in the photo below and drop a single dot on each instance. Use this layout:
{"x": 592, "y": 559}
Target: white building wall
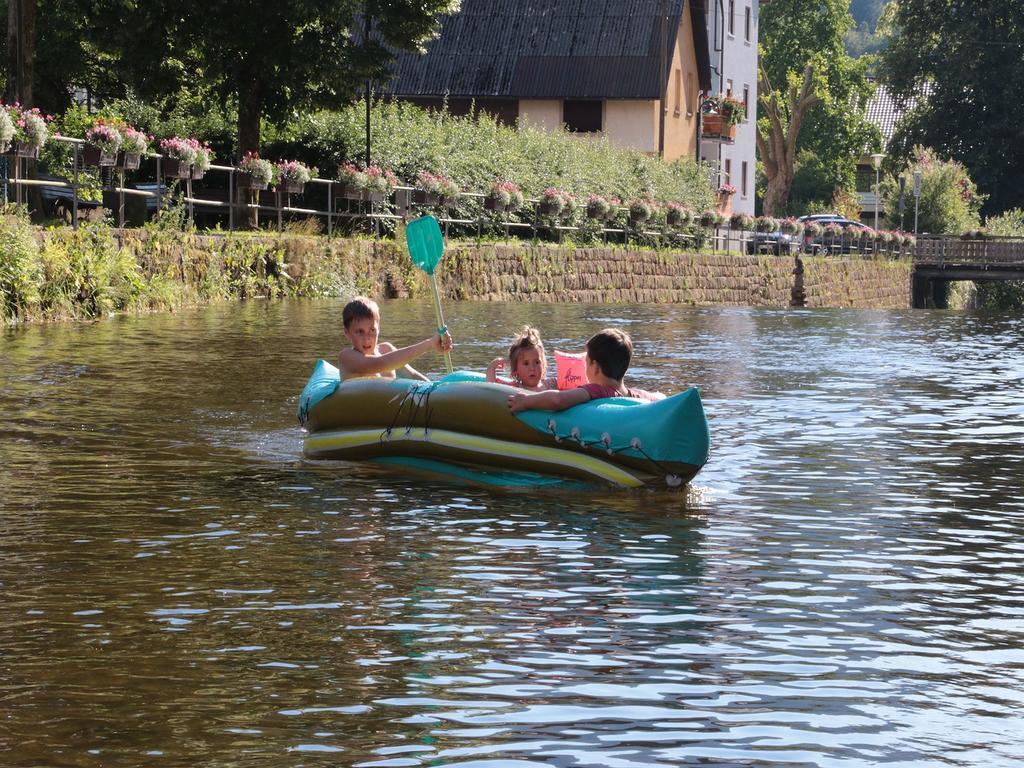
{"x": 734, "y": 61}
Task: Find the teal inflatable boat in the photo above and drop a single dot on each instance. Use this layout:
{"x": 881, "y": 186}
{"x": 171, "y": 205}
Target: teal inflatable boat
{"x": 460, "y": 425}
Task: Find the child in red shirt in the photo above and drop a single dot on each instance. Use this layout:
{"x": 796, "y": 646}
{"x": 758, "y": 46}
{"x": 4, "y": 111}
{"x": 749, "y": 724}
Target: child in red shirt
{"x": 609, "y": 353}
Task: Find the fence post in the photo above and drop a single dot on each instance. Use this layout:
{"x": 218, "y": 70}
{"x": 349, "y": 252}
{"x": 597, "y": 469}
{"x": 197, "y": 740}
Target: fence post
{"x": 74, "y": 186}
{"x": 330, "y": 207}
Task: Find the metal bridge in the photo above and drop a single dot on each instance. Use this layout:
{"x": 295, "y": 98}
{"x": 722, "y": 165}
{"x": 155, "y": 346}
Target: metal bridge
{"x": 938, "y": 261}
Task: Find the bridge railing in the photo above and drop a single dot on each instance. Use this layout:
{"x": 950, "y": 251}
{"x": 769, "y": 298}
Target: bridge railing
{"x": 969, "y": 250}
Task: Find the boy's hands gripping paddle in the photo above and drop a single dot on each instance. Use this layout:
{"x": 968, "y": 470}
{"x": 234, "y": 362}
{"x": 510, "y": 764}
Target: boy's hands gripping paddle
{"x": 426, "y": 246}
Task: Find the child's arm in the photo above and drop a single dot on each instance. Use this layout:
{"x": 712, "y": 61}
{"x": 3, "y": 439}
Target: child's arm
{"x": 492, "y": 370}
{"x": 355, "y": 363}
{"x": 414, "y": 374}
{"x": 552, "y": 400}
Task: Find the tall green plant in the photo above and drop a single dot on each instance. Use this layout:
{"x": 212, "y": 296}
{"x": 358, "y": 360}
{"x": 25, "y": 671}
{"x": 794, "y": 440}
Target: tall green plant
{"x": 950, "y": 203}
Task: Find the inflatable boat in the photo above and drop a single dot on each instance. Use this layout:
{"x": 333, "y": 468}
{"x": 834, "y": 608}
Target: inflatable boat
{"x": 460, "y": 426}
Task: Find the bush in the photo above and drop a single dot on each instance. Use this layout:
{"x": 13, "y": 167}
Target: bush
{"x": 950, "y": 202}
{"x": 473, "y": 152}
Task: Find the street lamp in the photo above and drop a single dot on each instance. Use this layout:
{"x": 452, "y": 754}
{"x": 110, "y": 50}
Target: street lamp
{"x": 876, "y": 159}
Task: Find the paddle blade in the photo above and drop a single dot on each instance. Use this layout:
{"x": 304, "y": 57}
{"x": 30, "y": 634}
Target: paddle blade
{"x": 423, "y": 236}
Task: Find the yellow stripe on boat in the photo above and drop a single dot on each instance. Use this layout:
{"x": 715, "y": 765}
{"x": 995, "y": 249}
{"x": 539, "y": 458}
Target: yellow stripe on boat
{"x": 334, "y": 440}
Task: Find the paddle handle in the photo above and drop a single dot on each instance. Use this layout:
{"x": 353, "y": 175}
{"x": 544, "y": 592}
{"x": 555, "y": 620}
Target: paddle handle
{"x": 440, "y": 319}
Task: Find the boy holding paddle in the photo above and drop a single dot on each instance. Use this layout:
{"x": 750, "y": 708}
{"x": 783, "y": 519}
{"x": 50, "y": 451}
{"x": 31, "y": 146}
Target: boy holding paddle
{"x": 369, "y": 357}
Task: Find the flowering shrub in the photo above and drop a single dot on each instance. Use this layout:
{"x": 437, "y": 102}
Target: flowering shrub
{"x": 765, "y": 224}
{"x": 350, "y": 175}
{"x": 30, "y": 125}
{"x": 260, "y": 170}
{"x": 791, "y": 226}
{"x": 177, "y": 148}
{"x": 380, "y": 180}
{"x": 507, "y": 193}
{"x": 727, "y": 189}
{"x": 135, "y": 142}
{"x": 295, "y": 172}
{"x": 105, "y": 136}
{"x": 436, "y": 184}
{"x": 741, "y": 221}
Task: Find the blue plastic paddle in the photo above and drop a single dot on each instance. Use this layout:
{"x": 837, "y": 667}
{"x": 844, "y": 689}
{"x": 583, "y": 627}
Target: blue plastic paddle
{"x": 426, "y": 246}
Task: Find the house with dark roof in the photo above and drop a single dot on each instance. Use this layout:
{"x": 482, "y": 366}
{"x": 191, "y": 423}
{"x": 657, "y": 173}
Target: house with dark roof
{"x": 885, "y": 112}
{"x": 634, "y": 70}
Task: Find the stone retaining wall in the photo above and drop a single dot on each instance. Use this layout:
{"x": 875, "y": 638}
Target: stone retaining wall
{"x": 522, "y": 272}
{"x": 551, "y": 274}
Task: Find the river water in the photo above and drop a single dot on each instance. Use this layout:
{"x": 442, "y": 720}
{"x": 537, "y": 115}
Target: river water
{"x": 843, "y": 584}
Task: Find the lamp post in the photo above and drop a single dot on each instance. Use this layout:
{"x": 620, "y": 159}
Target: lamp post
{"x": 876, "y": 160}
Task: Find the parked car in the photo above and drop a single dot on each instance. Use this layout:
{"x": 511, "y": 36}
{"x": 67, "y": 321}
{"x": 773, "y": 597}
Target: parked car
{"x": 852, "y": 231}
{"x": 780, "y": 243}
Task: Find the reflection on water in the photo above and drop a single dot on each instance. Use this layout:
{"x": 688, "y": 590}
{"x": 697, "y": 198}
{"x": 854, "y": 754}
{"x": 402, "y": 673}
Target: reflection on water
{"x": 842, "y": 587}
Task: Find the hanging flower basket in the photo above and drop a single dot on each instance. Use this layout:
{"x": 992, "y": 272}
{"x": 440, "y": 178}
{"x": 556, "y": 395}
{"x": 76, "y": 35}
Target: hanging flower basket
{"x": 94, "y": 155}
{"x": 173, "y": 168}
{"x": 422, "y": 197}
{"x": 21, "y": 149}
{"x": 245, "y": 180}
{"x": 494, "y": 204}
{"x": 128, "y": 161}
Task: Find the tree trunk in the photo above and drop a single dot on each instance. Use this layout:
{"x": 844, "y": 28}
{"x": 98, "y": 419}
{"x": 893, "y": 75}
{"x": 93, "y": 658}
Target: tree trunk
{"x": 776, "y": 193}
{"x": 250, "y": 111}
{"x": 777, "y": 146}
{"x": 21, "y": 27}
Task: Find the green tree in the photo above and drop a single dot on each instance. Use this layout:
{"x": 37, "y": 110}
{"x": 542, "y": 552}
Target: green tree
{"x": 971, "y": 57}
{"x": 812, "y": 94}
{"x": 271, "y": 58}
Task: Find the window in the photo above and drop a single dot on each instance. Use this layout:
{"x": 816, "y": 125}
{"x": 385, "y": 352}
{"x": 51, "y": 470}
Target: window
{"x": 678, "y": 88}
{"x": 732, "y": 17}
{"x": 746, "y": 103}
{"x": 582, "y": 116}
{"x": 743, "y": 179}
{"x": 691, "y": 92}
{"x": 728, "y": 87}
{"x": 746, "y": 24}
{"x": 727, "y": 176}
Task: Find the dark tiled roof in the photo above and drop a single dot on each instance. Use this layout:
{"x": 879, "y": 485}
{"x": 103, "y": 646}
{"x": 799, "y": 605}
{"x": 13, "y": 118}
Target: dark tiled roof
{"x": 883, "y": 111}
{"x": 552, "y": 49}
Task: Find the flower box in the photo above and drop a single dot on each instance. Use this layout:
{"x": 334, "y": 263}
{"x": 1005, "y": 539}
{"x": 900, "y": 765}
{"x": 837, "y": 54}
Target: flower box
{"x": 597, "y": 212}
{"x": 422, "y": 197}
{"x": 94, "y": 155}
{"x": 173, "y": 168}
{"x": 351, "y": 193}
{"x": 197, "y": 172}
{"x": 23, "y": 149}
{"x": 292, "y": 187}
{"x": 717, "y": 126}
{"x": 549, "y": 209}
{"x": 246, "y": 181}
{"x": 129, "y": 161}
{"x": 494, "y": 204}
